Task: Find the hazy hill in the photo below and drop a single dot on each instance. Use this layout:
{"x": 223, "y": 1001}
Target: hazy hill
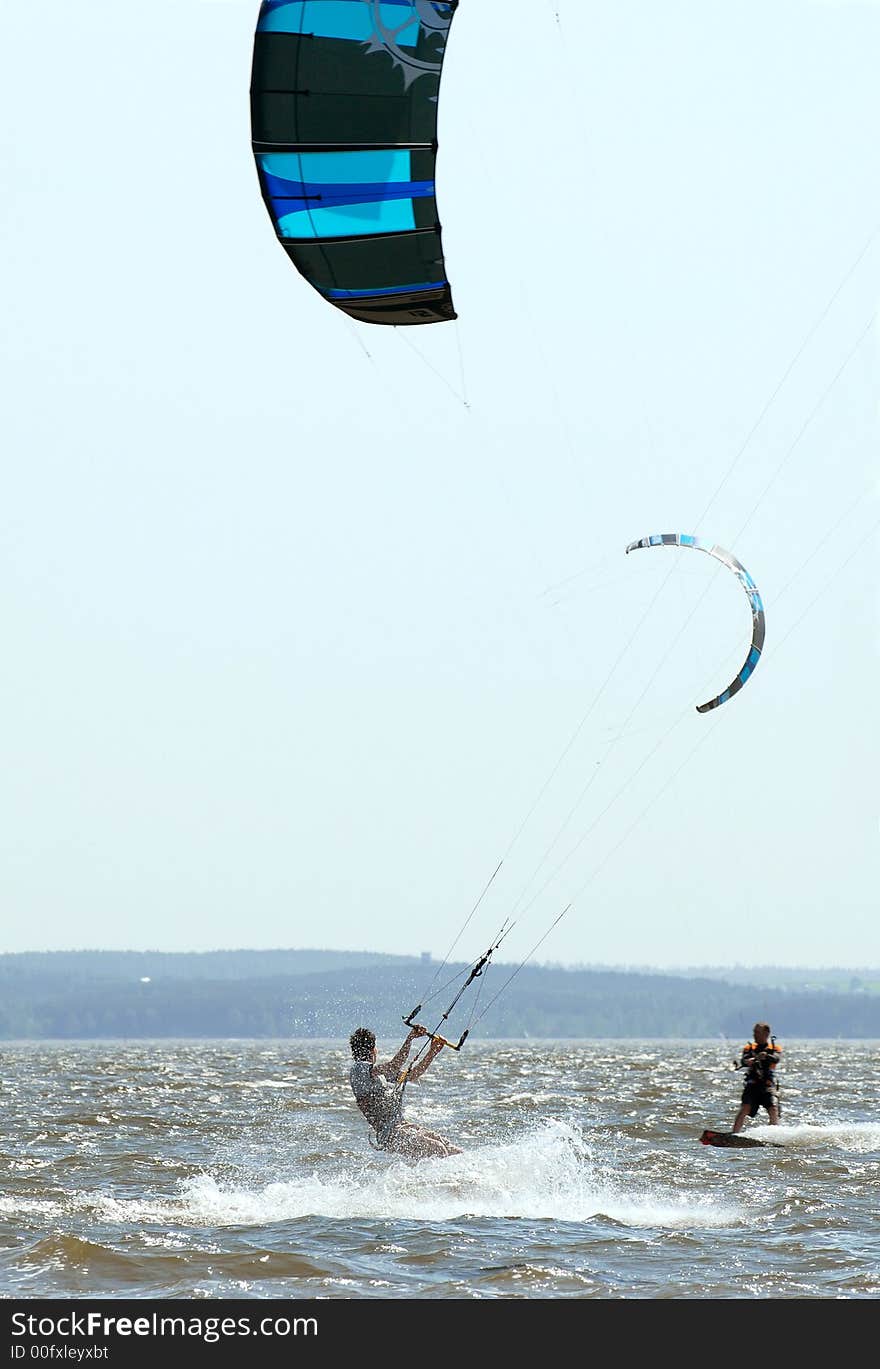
{"x": 835, "y": 979}
{"x": 133, "y": 965}
{"x": 290, "y": 993}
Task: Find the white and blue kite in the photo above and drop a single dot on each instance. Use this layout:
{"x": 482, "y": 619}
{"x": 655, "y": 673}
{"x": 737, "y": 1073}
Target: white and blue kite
{"x": 681, "y": 539}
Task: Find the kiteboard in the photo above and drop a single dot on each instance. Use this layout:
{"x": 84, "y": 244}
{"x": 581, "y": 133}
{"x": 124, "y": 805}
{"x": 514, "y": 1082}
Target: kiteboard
{"x": 732, "y": 1138}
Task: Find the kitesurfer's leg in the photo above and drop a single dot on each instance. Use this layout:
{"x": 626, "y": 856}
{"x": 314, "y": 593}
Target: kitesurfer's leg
{"x": 418, "y": 1144}
{"x": 440, "y": 1141}
{"x": 740, "y": 1118}
{"x": 431, "y": 1146}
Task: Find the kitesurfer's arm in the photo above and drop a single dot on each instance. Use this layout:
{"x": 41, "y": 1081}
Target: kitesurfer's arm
{"x": 417, "y": 1071}
{"x": 393, "y": 1067}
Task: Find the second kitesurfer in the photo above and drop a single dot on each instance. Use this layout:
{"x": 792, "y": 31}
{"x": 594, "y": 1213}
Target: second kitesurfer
{"x": 760, "y": 1059}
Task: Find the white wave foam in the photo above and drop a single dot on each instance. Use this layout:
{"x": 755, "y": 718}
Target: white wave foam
{"x": 547, "y": 1173}
{"x": 854, "y": 1136}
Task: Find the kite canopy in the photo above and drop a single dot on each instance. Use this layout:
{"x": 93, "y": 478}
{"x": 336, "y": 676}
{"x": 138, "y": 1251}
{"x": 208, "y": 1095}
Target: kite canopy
{"x": 344, "y": 134}
{"x": 680, "y": 539}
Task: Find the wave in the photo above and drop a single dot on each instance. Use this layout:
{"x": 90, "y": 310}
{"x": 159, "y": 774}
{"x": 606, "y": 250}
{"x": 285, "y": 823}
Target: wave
{"x": 853, "y": 1136}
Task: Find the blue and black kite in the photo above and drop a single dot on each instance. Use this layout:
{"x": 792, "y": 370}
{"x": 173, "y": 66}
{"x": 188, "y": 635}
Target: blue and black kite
{"x": 344, "y": 133}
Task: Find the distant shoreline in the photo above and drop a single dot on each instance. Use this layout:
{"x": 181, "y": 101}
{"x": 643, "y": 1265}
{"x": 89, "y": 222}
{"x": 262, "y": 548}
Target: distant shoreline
{"x": 308, "y": 995}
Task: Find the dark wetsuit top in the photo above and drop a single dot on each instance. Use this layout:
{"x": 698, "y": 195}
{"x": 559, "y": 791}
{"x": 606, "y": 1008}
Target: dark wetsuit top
{"x": 761, "y": 1089}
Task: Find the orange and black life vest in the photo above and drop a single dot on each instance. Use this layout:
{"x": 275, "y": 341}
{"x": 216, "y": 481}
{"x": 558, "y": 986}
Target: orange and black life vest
{"x": 761, "y": 1071}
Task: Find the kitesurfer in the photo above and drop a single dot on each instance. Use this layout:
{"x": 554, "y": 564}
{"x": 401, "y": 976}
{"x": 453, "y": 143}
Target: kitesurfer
{"x": 378, "y": 1091}
{"x": 760, "y": 1059}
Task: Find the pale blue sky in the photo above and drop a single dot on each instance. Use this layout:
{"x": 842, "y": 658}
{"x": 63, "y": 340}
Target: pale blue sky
{"x": 299, "y": 614}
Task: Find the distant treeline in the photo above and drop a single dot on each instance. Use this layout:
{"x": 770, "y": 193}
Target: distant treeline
{"x": 284, "y": 993}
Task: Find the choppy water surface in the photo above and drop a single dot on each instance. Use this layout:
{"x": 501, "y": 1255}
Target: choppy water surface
{"x": 241, "y": 1169}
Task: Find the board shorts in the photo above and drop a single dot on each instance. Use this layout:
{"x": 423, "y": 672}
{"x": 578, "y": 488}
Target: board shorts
{"x": 758, "y": 1095}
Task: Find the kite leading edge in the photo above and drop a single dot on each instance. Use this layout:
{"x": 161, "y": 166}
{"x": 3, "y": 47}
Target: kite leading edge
{"x": 680, "y": 539}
